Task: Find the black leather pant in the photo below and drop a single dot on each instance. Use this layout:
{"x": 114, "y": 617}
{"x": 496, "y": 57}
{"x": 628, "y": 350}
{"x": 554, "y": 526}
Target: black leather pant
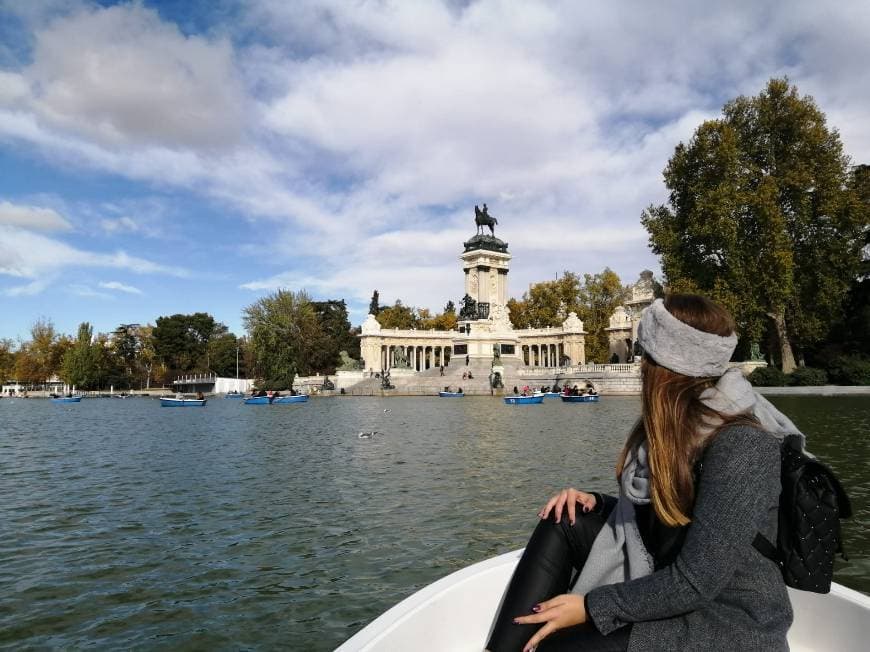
{"x": 549, "y": 567}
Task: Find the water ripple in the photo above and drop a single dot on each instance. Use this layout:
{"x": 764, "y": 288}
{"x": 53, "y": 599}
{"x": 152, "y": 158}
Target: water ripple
{"x": 237, "y": 527}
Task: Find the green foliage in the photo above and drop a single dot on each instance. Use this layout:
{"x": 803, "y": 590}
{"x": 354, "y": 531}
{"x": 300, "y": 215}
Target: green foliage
{"x": 285, "y": 337}
{"x": 7, "y": 359}
{"x": 768, "y": 377}
{"x": 761, "y": 217}
{"x": 849, "y": 370}
{"x": 85, "y": 361}
{"x": 337, "y": 335}
{"x": 374, "y": 305}
{"x": 600, "y": 296}
{"x": 181, "y": 341}
{"x": 222, "y": 355}
{"x": 808, "y": 376}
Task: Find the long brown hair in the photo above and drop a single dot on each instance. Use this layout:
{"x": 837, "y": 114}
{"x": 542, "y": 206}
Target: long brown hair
{"x": 674, "y": 422}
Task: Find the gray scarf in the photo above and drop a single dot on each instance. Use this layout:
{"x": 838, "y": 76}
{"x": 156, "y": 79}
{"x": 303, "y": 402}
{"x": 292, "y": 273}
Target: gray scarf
{"x": 618, "y": 553}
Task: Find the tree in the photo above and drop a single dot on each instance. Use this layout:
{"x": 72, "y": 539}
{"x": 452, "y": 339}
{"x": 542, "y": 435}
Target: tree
{"x": 181, "y": 341}
{"x": 599, "y": 297}
{"x": 40, "y": 358}
{"x": 284, "y": 334}
{"x": 374, "y": 306}
{"x": 81, "y": 363}
{"x": 761, "y": 218}
{"x": 127, "y": 345}
{"x": 398, "y": 316}
{"x": 337, "y": 335}
{"x": 446, "y": 321}
{"x": 223, "y": 351}
{"x": 547, "y": 303}
{"x": 7, "y": 359}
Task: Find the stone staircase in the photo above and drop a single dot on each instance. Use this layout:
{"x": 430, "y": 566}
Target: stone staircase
{"x": 430, "y": 381}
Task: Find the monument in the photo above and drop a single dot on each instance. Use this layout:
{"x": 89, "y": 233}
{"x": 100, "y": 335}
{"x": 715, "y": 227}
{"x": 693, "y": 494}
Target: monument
{"x": 484, "y": 333}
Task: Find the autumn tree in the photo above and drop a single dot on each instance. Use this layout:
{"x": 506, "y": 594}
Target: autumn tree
{"x": 40, "y": 358}
{"x": 599, "y": 297}
{"x": 761, "y": 217}
{"x": 547, "y": 303}
{"x": 398, "y": 316}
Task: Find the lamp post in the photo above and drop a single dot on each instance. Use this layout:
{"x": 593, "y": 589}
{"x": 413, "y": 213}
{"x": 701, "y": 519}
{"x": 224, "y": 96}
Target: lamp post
{"x": 237, "y": 362}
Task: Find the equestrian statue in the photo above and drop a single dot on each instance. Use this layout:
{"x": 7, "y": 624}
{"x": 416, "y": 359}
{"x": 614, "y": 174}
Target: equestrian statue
{"x": 482, "y": 218}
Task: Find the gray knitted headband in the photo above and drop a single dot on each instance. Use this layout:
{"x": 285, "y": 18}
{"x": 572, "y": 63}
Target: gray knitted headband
{"x": 675, "y": 345}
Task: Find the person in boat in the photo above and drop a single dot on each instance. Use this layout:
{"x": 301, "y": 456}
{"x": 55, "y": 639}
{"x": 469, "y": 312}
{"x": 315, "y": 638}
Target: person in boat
{"x": 516, "y": 390}
{"x": 670, "y": 563}
{"x": 199, "y": 396}
{"x": 459, "y": 390}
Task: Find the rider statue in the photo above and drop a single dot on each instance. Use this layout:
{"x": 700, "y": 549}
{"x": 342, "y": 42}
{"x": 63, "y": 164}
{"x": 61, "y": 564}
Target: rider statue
{"x": 482, "y": 218}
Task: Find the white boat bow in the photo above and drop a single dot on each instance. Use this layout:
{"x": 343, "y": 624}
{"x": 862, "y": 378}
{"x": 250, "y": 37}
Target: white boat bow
{"x": 455, "y": 614}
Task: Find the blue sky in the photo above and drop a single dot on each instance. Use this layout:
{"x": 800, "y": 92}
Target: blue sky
{"x": 162, "y": 157}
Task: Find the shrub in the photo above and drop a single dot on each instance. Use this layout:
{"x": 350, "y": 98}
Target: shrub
{"x": 804, "y": 376}
{"x": 846, "y": 370}
{"x": 767, "y": 377}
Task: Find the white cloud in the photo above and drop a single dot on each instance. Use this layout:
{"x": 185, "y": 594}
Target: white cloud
{"x": 13, "y": 88}
{"x": 37, "y": 286}
{"x": 25, "y": 254}
{"x": 365, "y": 132}
{"x": 32, "y": 217}
{"x": 119, "y": 225}
{"x": 87, "y": 292}
{"x": 121, "y": 75}
{"x": 120, "y": 287}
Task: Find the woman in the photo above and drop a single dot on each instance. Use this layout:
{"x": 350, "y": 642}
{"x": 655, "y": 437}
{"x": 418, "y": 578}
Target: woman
{"x": 669, "y": 565}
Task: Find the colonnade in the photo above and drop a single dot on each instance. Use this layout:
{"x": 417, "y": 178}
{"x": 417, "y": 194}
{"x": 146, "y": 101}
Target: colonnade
{"x": 546, "y": 354}
{"x": 419, "y": 357}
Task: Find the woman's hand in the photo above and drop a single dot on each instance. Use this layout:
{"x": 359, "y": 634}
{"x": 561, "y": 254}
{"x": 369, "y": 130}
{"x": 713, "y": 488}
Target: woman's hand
{"x": 560, "y": 612}
{"x": 568, "y": 498}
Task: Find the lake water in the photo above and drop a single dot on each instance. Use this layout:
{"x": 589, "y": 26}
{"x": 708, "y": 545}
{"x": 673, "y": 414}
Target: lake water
{"x": 124, "y": 525}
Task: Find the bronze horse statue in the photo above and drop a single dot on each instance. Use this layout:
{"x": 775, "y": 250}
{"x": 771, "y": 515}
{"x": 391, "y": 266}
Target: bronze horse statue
{"x": 482, "y": 218}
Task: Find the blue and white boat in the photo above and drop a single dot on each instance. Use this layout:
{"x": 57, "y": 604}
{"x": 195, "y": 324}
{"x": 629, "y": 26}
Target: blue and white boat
{"x": 258, "y": 400}
{"x": 585, "y": 398}
{"x": 524, "y": 400}
{"x": 66, "y": 399}
{"x": 451, "y": 394}
{"x": 298, "y": 398}
{"x": 234, "y": 395}
{"x": 171, "y": 401}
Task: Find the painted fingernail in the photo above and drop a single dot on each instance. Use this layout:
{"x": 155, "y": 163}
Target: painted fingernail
{"x": 536, "y": 608}
{"x": 585, "y": 509}
{"x": 516, "y": 621}
{"x": 572, "y": 522}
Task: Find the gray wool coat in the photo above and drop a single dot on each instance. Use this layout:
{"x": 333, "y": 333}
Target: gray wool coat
{"x": 720, "y": 593}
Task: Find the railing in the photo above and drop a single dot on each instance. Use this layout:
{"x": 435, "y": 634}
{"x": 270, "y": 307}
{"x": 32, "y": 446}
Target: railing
{"x": 195, "y": 379}
{"x": 626, "y": 368}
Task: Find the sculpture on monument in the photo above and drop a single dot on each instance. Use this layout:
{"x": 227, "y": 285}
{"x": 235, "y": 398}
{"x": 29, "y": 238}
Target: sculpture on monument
{"x": 469, "y": 308}
{"x": 482, "y": 218}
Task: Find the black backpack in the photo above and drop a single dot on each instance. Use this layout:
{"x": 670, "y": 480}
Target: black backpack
{"x": 811, "y": 505}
